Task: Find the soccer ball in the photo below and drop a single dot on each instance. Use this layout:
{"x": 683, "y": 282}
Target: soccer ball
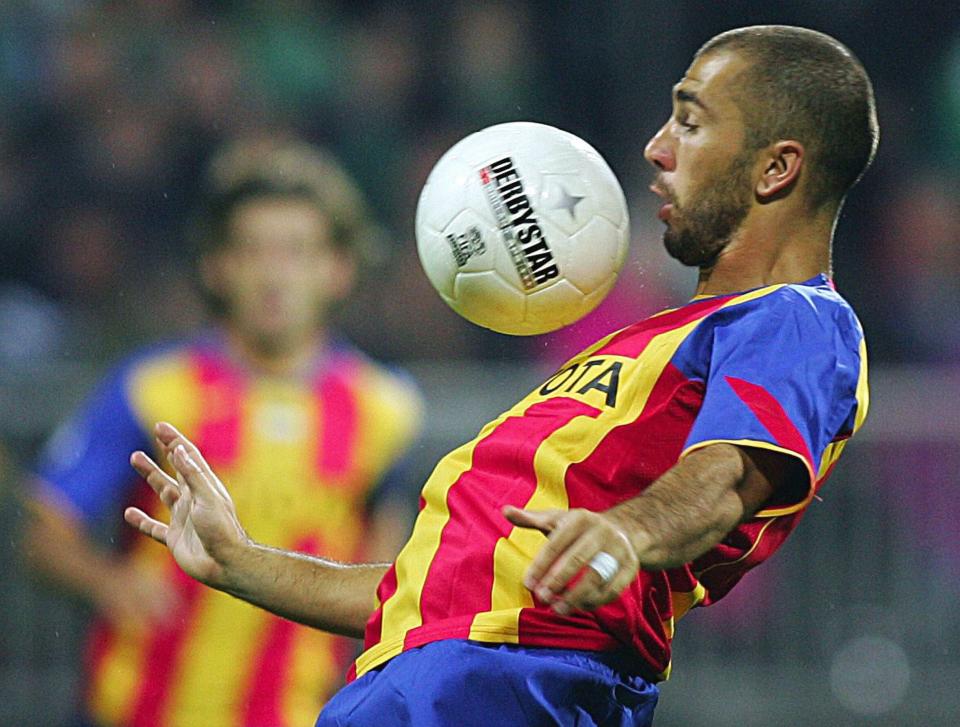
{"x": 522, "y": 228}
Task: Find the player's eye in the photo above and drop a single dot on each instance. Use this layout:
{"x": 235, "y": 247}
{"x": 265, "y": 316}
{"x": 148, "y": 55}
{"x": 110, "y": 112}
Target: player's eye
{"x": 687, "y": 123}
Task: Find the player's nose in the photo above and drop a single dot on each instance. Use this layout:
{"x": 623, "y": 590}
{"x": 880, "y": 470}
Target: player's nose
{"x": 659, "y": 152}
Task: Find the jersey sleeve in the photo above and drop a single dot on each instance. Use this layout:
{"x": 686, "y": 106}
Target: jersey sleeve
{"x": 784, "y": 375}
{"x": 400, "y": 419}
{"x": 85, "y": 464}
{"x": 395, "y": 485}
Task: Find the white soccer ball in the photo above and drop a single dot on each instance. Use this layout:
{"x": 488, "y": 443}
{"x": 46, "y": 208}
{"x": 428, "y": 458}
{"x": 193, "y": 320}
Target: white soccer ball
{"x": 522, "y": 228}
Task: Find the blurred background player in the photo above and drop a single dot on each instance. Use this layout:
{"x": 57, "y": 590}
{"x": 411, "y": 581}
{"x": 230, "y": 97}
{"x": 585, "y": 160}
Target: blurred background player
{"x": 310, "y": 432}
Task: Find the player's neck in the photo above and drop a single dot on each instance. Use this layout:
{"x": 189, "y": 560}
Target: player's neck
{"x": 770, "y": 250}
{"x": 277, "y": 357}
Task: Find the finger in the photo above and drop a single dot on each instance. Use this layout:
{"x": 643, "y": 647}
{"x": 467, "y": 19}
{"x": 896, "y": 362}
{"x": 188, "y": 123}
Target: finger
{"x": 625, "y": 576}
{"x": 138, "y": 519}
{"x": 591, "y": 591}
{"x": 166, "y": 437}
{"x": 543, "y": 520}
{"x": 546, "y": 521}
{"x": 545, "y": 563}
{"x": 195, "y": 474}
{"x": 171, "y": 438}
{"x": 588, "y": 592}
{"x": 166, "y": 433}
{"x": 568, "y": 564}
{"x": 162, "y": 448}
{"x": 165, "y": 486}
{"x": 143, "y": 464}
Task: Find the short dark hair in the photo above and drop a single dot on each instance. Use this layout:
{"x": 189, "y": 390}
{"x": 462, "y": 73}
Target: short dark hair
{"x": 287, "y": 169}
{"x": 804, "y": 85}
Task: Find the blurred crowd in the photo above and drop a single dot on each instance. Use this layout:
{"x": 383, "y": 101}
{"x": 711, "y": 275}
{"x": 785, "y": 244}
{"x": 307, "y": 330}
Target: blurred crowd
{"x": 110, "y": 109}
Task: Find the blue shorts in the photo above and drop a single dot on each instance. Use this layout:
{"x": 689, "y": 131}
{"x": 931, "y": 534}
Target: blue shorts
{"x": 469, "y": 684}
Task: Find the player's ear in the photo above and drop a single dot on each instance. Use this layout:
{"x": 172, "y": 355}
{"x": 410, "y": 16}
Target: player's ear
{"x": 782, "y": 164}
{"x": 341, "y": 273}
{"x": 211, "y": 272}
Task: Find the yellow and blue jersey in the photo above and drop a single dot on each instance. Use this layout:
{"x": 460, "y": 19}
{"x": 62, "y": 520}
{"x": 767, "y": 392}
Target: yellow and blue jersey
{"x": 302, "y": 457}
{"x": 782, "y": 367}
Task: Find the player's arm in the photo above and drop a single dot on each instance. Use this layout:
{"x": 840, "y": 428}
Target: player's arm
{"x": 207, "y": 540}
{"x": 679, "y": 517}
{"x": 56, "y": 547}
{"x": 76, "y": 479}
{"x": 705, "y": 496}
{"x": 388, "y": 514}
{"x": 388, "y": 505}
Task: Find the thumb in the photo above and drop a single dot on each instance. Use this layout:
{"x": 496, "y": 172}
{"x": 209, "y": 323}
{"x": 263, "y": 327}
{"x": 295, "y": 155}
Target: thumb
{"x": 543, "y": 520}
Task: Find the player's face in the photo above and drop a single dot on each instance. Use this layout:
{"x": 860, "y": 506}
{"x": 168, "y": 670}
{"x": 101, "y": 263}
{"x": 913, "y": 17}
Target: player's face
{"x": 278, "y": 272}
{"x": 704, "y": 175}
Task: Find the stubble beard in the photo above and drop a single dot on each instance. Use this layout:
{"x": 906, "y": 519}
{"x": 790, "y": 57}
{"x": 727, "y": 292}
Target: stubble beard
{"x": 702, "y": 229}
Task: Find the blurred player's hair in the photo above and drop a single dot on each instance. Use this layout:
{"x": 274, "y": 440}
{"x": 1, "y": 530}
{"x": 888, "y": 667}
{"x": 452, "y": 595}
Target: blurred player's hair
{"x": 271, "y": 168}
{"x": 807, "y": 86}
{"x": 287, "y": 169}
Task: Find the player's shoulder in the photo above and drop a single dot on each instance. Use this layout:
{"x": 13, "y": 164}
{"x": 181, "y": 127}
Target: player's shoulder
{"x": 812, "y": 307}
{"x": 160, "y": 359}
{"x": 387, "y": 383}
{"x": 817, "y": 297}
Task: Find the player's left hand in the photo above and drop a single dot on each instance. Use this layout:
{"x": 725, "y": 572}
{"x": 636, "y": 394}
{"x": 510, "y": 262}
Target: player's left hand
{"x": 575, "y": 538}
{"x": 204, "y": 534}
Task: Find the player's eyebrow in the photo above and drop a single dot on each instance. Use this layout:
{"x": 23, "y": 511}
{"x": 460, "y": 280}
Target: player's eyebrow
{"x": 682, "y": 95}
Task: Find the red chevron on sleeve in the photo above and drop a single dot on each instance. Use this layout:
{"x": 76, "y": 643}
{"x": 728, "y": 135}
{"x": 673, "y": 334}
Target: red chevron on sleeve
{"x": 772, "y": 416}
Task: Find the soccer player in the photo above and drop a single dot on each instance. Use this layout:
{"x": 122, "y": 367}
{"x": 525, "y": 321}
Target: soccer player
{"x": 309, "y": 432}
{"x": 554, "y": 554}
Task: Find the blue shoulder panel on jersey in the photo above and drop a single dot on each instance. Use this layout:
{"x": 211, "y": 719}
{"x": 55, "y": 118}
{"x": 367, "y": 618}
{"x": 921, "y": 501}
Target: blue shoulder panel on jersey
{"x": 87, "y": 460}
{"x": 777, "y": 368}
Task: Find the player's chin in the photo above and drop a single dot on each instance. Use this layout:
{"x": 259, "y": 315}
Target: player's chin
{"x": 688, "y": 250}
{"x": 275, "y": 335}
{"x": 679, "y": 246}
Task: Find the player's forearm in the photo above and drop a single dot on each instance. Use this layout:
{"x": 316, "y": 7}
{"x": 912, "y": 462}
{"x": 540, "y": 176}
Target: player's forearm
{"x": 687, "y": 511}
{"x": 324, "y": 594}
{"x": 56, "y": 549}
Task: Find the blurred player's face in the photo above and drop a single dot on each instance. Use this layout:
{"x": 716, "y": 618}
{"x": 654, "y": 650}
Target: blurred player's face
{"x": 704, "y": 175}
{"x": 278, "y": 272}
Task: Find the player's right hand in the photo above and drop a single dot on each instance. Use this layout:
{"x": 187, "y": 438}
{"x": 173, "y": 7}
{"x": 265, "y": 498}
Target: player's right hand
{"x": 129, "y": 597}
{"x": 204, "y": 532}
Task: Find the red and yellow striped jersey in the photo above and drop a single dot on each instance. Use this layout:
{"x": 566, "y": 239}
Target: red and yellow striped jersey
{"x": 301, "y": 457}
{"x": 781, "y": 367}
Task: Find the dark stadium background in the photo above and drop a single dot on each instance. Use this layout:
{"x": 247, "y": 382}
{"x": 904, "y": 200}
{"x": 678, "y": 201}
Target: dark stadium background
{"x": 109, "y": 110}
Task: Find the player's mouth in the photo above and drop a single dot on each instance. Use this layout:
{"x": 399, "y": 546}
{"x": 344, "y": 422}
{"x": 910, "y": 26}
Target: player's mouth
{"x": 273, "y": 304}
{"x": 666, "y": 209}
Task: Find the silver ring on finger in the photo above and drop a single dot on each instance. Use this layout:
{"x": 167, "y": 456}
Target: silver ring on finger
{"x": 605, "y": 566}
